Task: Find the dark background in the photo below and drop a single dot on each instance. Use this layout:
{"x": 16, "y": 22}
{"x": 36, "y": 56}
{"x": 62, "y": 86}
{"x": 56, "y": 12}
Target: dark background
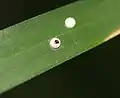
{"x": 94, "y": 74}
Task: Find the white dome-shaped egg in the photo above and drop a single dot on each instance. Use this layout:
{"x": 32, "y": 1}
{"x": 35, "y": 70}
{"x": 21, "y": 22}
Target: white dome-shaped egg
{"x": 70, "y": 22}
{"x": 55, "y": 43}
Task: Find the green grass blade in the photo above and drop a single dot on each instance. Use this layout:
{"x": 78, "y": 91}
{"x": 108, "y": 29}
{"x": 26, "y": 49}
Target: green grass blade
{"x": 24, "y": 48}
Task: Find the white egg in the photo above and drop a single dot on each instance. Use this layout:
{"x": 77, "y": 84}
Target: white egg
{"x": 70, "y": 22}
{"x": 55, "y": 43}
